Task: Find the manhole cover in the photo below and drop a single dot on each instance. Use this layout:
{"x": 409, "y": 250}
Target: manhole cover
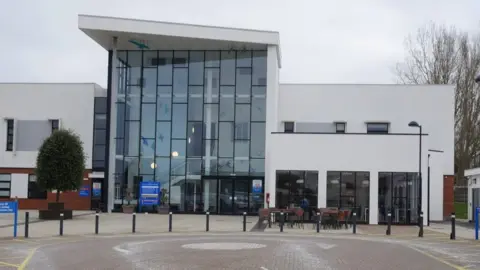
{"x": 223, "y": 246}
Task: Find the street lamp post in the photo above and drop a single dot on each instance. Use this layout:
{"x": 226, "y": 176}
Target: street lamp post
{"x": 415, "y": 124}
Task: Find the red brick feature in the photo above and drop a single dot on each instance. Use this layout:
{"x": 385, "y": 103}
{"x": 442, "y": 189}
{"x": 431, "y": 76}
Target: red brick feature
{"x": 72, "y": 200}
{"x": 448, "y": 196}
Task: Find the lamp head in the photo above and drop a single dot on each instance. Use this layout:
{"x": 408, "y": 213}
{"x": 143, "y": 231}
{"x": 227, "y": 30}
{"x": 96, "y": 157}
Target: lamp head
{"x": 413, "y": 124}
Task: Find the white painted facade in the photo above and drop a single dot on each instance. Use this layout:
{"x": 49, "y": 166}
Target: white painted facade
{"x": 70, "y": 103}
{"x": 473, "y": 176}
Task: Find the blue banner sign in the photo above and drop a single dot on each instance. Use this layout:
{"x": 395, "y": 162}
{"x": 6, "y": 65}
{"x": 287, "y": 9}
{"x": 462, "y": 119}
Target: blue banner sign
{"x": 149, "y": 193}
{"x": 10, "y": 208}
{"x": 84, "y": 191}
{"x": 97, "y": 189}
{"x": 257, "y": 186}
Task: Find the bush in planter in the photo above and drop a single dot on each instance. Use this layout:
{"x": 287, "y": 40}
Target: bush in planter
{"x": 60, "y": 167}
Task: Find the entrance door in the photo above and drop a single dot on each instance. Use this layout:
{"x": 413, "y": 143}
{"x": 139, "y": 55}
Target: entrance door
{"x": 241, "y": 195}
{"x": 225, "y": 196}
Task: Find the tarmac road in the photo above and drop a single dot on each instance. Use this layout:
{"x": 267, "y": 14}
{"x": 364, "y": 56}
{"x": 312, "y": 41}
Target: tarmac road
{"x": 215, "y": 251}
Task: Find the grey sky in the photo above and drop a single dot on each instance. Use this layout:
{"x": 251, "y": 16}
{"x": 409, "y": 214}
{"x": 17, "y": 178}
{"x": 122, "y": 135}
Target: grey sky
{"x": 322, "y": 41}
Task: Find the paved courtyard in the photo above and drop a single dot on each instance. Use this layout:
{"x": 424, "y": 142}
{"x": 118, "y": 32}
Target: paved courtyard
{"x": 264, "y": 251}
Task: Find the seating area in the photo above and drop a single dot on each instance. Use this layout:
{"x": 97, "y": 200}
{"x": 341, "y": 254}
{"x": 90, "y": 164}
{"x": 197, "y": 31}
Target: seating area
{"x": 330, "y": 218}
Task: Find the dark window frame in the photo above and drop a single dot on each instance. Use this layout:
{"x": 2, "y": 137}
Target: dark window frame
{"x": 340, "y": 127}
{"x": 10, "y": 135}
{"x": 54, "y": 124}
{"x": 9, "y": 189}
{"x": 34, "y": 191}
{"x": 371, "y": 130}
{"x": 289, "y": 127}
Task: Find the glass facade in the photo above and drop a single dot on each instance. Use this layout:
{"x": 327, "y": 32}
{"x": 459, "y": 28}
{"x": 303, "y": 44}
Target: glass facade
{"x": 188, "y": 118}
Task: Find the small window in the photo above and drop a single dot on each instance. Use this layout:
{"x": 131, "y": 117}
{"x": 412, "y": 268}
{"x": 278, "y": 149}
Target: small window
{"x": 5, "y": 184}
{"x": 55, "y": 124}
{"x": 10, "y": 132}
{"x": 377, "y": 128}
{"x": 340, "y": 127}
{"x": 289, "y": 127}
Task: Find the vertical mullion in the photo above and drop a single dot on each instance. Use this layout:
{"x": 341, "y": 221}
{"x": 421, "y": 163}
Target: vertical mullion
{"x": 251, "y": 110}
{"x": 234, "y": 111}
{"x": 124, "y": 175}
{"x": 171, "y": 127}
{"x": 140, "y": 127}
{"x": 202, "y": 161}
{"x": 156, "y": 118}
{"x": 217, "y": 138}
{"x": 186, "y": 133}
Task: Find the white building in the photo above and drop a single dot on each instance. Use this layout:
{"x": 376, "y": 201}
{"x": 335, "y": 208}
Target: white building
{"x": 473, "y": 176}
{"x": 200, "y": 110}
{"x": 30, "y": 112}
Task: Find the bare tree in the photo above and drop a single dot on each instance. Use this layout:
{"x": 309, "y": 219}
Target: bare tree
{"x": 443, "y": 55}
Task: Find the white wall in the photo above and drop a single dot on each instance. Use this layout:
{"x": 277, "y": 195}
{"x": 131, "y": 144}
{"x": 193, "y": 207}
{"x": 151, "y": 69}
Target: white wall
{"x": 19, "y": 186}
{"x": 431, "y": 106}
{"x": 71, "y": 103}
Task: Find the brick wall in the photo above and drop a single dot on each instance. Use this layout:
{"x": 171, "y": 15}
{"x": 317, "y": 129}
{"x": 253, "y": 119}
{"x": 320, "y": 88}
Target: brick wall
{"x": 448, "y": 196}
{"x": 72, "y": 200}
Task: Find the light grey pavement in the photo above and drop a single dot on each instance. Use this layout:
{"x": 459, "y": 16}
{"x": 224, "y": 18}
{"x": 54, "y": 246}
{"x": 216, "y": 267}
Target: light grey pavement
{"x": 264, "y": 251}
{"x": 119, "y": 223}
{"x": 7, "y": 219}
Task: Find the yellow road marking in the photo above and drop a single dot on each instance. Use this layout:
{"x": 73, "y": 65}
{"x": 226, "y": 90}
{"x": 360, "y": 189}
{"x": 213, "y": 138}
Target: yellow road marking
{"x": 454, "y": 266}
{"x": 9, "y": 264}
{"x": 27, "y": 259}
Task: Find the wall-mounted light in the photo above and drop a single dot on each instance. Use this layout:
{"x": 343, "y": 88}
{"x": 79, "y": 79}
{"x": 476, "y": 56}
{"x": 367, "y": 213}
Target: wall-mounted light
{"x": 174, "y": 154}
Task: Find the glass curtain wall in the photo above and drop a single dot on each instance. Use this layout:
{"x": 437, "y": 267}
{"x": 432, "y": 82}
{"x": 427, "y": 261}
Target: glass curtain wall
{"x": 349, "y": 190}
{"x": 294, "y": 186}
{"x": 398, "y": 192}
{"x": 186, "y": 114}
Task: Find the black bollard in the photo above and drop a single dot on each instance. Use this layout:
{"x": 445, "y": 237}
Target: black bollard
{"x": 318, "y": 222}
{"x": 207, "y": 222}
{"x": 420, "y": 223}
{"x": 389, "y": 223}
{"x": 134, "y": 217}
{"x": 270, "y": 216}
{"x": 170, "y": 221}
{"x": 61, "y": 224}
{"x": 354, "y": 221}
{"x": 281, "y": 221}
{"x": 96, "y": 222}
{"x": 244, "y": 221}
{"x": 26, "y": 224}
{"x": 452, "y": 234}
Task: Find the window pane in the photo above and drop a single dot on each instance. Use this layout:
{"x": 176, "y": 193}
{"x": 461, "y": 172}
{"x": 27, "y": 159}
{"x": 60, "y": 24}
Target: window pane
{"x": 242, "y": 113}
{"x": 164, "y": 103}
{"x": 333, "y": 189}
{"x": 101, "y": 121}
{"x": 177, "y": 193}
{"x": 147, "y": 147}
{"x": 148, "y": 120}
{"x": 163, "y": 139}
{"x": 195, "y": 67}
{"x": 227, "y": 102}
{"x": 4, "y": 184}
{"x": 211, "y": 121}
{"x": 195, "y": 109}
{"x": 225, "y": 165}
{"x": 348, "y": 184}
{"x": 100, "y": 105}
{"x": 149, "y": 91}
{"x": 99, "y": 152}
{"x": 212, "y": 76}
{"x": 132, "y": 138}
{"x": 119, "y": 147}
{"x": 212, "y": 58}
{"x": 162, "y": 171}
{"x": 178, "y": 166}
{"x": 259, "y": 68}
{"x": 226, "y": 139}
{"x": 257, "y": 166}
{"x": 194, "y": 166}
{"x": 258, "y": 140}
{"x": 227, "y": 68}
{"x": 180, "y": 58}
{"x": 243, "y": 85}
{"x": 147, "y": 166}
{"x": 4, "y": 193}
{"x": 194, "y": 140}
{"x": 120, "y": 120}
{"x": 133, "y": 108}
{"x": 244, "y": 58}
{"x": 242, "y": 149}
{"x": 100, "y": 136}
{"x": 150, "y": 59}
{"x": 178, "y": 148}
{"x": 179, "y": 121}
{"x": 180, "y": 84}
{"x": 242, "y": 166}
{"x": 258, "y": 104}
{"x": 210, "y": 148}
{"x": 165, "y": 67}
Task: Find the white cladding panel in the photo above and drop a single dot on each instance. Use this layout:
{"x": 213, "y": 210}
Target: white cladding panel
{"x": 72, "y": 104}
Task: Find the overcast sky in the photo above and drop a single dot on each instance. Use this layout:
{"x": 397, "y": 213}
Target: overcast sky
{"x": 322, "y": 41}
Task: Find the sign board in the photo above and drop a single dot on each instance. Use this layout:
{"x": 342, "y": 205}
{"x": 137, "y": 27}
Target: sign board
{"x": 84, "y": 191}
{"x": 97, "y": 189}
{"x": 10, "y": 208}
{"x": 149, "y": 193}
{"x": 257, "y": 186}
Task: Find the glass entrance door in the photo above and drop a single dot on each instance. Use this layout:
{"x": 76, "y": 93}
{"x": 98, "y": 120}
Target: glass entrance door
{"x": 225, "y": 196}
{"x": 240, "y": 196}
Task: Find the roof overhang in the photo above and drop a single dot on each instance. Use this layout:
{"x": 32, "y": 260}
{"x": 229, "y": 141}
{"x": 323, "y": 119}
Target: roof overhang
{"x": 155, "y": 35}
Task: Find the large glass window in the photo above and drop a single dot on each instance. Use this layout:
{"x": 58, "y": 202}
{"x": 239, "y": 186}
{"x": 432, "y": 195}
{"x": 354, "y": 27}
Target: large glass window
{"x": 185, "y": 114}
{"x": 349, "y": 190}
{"x": 398, "y": 194}
{"x": 295, "y": 186}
